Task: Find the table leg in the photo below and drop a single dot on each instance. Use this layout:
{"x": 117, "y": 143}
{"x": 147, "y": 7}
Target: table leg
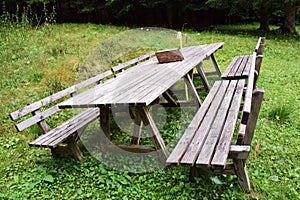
{"x": 213, "y": 58}
{"x": 192, "y": 88}
{"x": 137, "y": 127}
{"x": 153, "y": 130}
{"x": 203, "y": 77}
{"x": 104, "y": 120}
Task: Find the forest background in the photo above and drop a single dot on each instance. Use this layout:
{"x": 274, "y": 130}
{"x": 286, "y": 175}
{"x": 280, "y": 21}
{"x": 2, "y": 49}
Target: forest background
{"x": 176, "y": 14}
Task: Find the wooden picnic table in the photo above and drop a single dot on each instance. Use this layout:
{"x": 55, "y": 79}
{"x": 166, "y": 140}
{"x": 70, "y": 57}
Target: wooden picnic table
{"x": 143, "y": 84}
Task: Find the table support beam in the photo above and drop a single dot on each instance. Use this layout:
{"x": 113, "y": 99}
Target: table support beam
{"x": 152, "y": 129}
{"x": 214, "y": 60}
{"x": 192, "y": 88}
{"x": 137, "y": 127}
{"x": 104, "y": 120}
{"x": 203, "y": 77}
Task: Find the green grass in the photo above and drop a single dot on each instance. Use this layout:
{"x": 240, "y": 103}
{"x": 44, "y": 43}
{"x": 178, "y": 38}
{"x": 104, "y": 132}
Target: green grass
{"x": 36, "y": 63}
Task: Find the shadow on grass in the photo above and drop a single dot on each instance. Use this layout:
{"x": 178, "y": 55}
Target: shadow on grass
{"x": 252, "y": 30}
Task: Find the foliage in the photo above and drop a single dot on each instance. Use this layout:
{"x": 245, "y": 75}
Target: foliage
{"x": 33, "y": 58}
{"x": 192, "y": 13}
{"x": 280, "y": 114}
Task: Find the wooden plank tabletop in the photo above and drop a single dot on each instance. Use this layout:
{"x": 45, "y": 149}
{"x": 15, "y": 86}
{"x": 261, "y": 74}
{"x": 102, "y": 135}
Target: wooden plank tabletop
{"x": 143, "y": 83}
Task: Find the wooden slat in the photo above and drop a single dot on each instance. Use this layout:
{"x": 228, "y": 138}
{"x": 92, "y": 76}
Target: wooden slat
{"x": 60, "y": 133}
{"x": 37, "y": 105}
{"x": 192, "y": 88}
{"x": 222, "y": 149}
{"x": 257, "y": 99}
{"x": 188, "y": 135}
{"x": 247, "y": 68}
{"x": 62, "y": 129}
{"x": 77, "y": 125}
{"x": 37, "y": 118}
{"x": 228, "y": 72}
{"x": 260, "y": 45}
{"x": 248, "y": 93}
{"x": 203, "y": 77}
{"x": 138, "y": 86}
{"x": 207, "y": 151}
{"x": 195, "y": 146}
{"x": 239, "y": 73}
{"x": 151, "y": 127}
{"x": 132, "y": 62}
{"x": 239, "y": 151}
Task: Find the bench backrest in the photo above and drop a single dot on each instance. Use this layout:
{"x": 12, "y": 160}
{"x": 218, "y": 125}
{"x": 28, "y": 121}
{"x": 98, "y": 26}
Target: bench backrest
{"x": 120, "y": 67}
{"x": 39, "y": 116}
{"x": 252, "y": 102}
{"x": 259, "y": 53}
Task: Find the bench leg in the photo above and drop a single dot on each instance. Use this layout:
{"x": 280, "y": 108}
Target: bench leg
{"x": 242, "y": 174}
{"x": 197, "y": 172}
{"x": 71, "y": 149}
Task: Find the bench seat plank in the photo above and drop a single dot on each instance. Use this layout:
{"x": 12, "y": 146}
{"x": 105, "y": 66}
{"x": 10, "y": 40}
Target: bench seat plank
{"x": 239, "y": 68}
{"x": 234, "y": 63}
{"x": 185, "y": 140}
{"x": 223, "y": 146}
{"x": 240, "y": 71}
{"x": 194, "y": 148}
{"x": 207, "y": 140}
{"x": 208, "y": 148}
{"x": 57, "y": 135}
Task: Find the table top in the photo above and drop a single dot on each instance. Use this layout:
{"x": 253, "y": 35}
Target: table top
{"x": 143, "y": 83}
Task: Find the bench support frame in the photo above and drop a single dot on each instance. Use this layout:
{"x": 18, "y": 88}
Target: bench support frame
{"x": 71, "y": 149}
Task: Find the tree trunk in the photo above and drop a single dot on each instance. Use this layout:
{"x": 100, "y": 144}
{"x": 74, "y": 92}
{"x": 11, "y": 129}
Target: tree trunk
{"x": 170, "y": 15}
{"x": 289, "y": 22}
{"x": 264, "y": 17}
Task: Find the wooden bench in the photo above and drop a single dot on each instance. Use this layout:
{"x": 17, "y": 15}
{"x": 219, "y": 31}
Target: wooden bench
{"x": 62, "y": 140}
{"x": 240, "y": 66}
{"x": 68, "y": 131}
{"x": 207, "y": 145}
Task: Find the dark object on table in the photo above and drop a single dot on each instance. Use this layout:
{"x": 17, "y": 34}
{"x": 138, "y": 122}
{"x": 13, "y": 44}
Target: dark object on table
{"x": 171, "y": 55}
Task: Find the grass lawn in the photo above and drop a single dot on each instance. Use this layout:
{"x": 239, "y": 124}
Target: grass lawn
{"x": 38, "y": 62}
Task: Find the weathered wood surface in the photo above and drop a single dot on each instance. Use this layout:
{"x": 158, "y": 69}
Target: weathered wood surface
{"x": 248, "y": 93}
{"x": 142, "y": 84}
{"x": 239, "y": 68}
{"x": 69, "y": 131}
{"x": 223, "y": 147}
{"x": 207, "y": 140}
{"x": 50, "y": 99}
{"x": 185, "y": 140}
{"x": 61, "y": 133}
